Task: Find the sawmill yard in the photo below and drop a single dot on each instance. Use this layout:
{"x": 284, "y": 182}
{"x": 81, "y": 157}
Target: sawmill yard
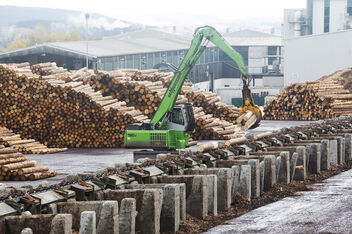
{"x": 61, "y": 140}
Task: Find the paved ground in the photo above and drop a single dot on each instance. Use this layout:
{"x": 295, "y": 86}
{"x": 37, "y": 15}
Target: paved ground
{"x": 76, "y": 161}
{"x": 327, "y": 209}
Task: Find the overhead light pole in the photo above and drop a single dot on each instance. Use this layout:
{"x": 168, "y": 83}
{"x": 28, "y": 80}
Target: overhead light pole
{"x": 87, "y": 17}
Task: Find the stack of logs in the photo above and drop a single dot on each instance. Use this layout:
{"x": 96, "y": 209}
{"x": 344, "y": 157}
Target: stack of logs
{"x": 14, "y": 166}
{"x": 25, "y": 146}
{"x": 325, "y": 98}
{"x": 246, "y": 120}
{"x": 209, "y": 101}
{"x": 57, "y": 116}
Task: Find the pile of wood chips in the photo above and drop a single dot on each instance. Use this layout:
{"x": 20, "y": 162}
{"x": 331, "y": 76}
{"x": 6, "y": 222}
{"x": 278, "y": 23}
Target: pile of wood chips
{"x": 328, "y": 97}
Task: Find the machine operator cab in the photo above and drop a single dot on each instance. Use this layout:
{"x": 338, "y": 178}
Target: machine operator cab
{"x": 181, "y": 118}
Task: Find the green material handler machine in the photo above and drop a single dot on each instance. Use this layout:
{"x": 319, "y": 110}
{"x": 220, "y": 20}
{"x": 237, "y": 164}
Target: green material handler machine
{"x": 172, "y": 123}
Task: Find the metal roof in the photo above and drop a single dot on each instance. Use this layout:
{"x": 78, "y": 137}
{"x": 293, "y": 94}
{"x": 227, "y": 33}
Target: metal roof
{"x": 145, "y": 41}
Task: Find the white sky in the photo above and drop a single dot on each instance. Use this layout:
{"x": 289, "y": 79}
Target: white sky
{"x": 176, "y": 12}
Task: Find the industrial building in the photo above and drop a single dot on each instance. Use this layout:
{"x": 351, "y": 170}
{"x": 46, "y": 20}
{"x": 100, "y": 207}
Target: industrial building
{"x": 320, "y": 16}
{"x": 327, "y": 49}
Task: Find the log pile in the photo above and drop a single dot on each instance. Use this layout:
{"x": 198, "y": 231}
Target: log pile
{"x": 57, "y": 116}
{"x": 26, "y": 146}
{"x": 328, "y": 97}
{"x": 246, "y": 120}
{"x": 14, "y": 166}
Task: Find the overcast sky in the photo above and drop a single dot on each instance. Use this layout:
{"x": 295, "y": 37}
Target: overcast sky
{"x": 177, "y": 12}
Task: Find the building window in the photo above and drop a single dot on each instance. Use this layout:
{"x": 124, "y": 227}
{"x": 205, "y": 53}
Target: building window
{"x": 326, "y": 15}
{"x": 349, "y": 7}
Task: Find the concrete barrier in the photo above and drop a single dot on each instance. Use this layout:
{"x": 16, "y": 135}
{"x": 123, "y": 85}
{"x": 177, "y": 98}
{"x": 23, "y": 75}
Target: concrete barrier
{"x": 348, "y": 147}
{"x": 171, "y": 205}
{"x": 333, "y": 152}
{"x": 325, "y": 155}
{"x": 235, "y": 182}
{"x": 127, "y": 217}
{"x": 196, "y": 192}
{"x": 301, "y": 174}
{"x": 269, "y": 172}
{"x": 315, "y": 158}
{"x": 40, "y": 224}
{"x": 340, "y": 150}
{"x": 284, "y": 169}
{"x": 255, "y": 177}
{"x": 88, "y": 223}
{"x": 148, "y": 206}
{"x": 106, "y": 214}
{"x": 245, "y": 181}
{"x": 223, "y": 184}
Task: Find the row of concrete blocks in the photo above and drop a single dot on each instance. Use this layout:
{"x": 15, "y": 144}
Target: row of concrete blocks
{"x": 151, "y": 208}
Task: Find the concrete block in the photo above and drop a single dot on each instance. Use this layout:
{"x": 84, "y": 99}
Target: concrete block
{"x": 196, "y": 192}
{"x": 149, "y": 202}
{"x": 333, "y": 152}
{"x": 262, "y": 175}
{"x": 284, "y": 170}
{"x": 293, "y": 164}
{"x": 61, "y": 224}
{"x": 27, "y": 231}
{"x": 110, "y": 220}
{"x": 88, "y": 223}
{"x": 301, "y": 175}
{"x": 223, "y": 184}
{"x": 269, "y": 172}
{"x": 15, "y": 224}
{"x": 348, "y": 147}
{"x": 325, "y": 155}
{"x": 278, "y": 164}
{"x": 127, "y": 217}
{"x": 235, "y": 182}
{"x": 255, "y": 177}
{"x": 212, "y": 195}
{"x": 170, "y": 210}
{"x": 315, "y": 158}
{"x": 340, "y": 149}
{"x": 245, "y": 181}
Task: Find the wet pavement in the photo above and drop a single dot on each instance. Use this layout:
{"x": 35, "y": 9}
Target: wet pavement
{"x": 326, "y": 209}
{"x": 76, "y": 161}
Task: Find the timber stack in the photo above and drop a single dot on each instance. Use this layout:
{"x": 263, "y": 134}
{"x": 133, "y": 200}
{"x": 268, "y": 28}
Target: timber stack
{"x": 14, "y": 166}
{"x": 26, "y": 146}
{"x": 57, "y": 116}
{"x": 328, "y": 97}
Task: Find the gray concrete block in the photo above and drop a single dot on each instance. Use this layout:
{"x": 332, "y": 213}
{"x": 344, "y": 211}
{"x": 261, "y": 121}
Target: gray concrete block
{"x": 255, "y": 177}
{"x": 170, "y": 213}
{"x": 196, "y": 192}
{"x": 315, "y": 158}
{"x": 293, "y": 163}
{"x": 212, "y": 195}
{"x": 149, "y": 202}
{"x": 340, "y": 149}
{"x": 88, "y": 223}
{"x": 235, "y": 182}
{"x": 127, "y": 217}
{"x": 223, "y": 183}
{"x": 170, "y": 210}
{"x": 269, "y": 172}
{"x": 262, "y": 175}
{"x": 108, "y": 222}
{"x": 325, "y": 155}
{"x": 245, "y": 181}
{"x": 15, "y": 224}
{"x": 76, "y": 208}
{"x": 333, "y": 152}
{"x": 182, "y": 202}
{"x": 284, "y": 170}
{"x": 302, "y": 162}
{"x": 278, "y": 165}
{"x": 61, "y": 224}
{"x": 348, "y": 147}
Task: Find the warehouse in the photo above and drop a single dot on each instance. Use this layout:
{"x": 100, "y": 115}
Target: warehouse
{"x": 149, "y": 48}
